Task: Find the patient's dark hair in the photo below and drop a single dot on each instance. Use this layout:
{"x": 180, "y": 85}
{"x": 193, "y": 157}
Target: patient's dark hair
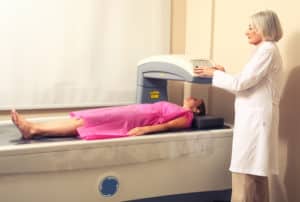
{"x": 202, "y": 110}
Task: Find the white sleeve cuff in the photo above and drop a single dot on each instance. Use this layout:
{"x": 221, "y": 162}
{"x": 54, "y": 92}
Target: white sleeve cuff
{"x": 217, "y": 78}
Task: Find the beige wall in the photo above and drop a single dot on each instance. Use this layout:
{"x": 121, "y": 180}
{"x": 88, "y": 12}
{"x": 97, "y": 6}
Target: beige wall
{"x": 198, "y": 24}
{"x": 227, "y": 45}
{"x": 178, "y": 26}
{"x": 178, "y": 19}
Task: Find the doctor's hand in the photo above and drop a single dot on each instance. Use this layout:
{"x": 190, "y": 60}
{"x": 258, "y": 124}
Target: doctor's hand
{"x": 207, "y": 71}
{"x": 204, "y": 71}
{"x": 219, "y": 67}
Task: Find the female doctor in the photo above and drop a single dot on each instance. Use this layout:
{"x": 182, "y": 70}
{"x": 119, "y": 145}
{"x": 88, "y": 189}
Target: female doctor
{"x": 257, "y": 90}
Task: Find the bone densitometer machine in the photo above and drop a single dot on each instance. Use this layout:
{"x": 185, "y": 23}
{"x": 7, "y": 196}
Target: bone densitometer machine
{"x": 188, "y": 165}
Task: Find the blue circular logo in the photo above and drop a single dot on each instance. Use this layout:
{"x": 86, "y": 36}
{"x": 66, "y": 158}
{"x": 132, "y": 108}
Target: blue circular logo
{"x": 109, "y": 186}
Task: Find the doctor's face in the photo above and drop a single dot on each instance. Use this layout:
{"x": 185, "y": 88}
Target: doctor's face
{"x": 253, "y": 35}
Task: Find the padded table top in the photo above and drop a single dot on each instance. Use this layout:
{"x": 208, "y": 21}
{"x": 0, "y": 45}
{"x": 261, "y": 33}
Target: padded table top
{"x": 10, "y": 135}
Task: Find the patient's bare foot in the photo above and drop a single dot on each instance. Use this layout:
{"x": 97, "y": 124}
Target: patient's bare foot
{"x": 25, "y": 127}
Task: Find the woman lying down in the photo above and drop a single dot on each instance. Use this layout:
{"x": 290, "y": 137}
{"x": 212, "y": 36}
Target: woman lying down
{"x": 112, "y": 122}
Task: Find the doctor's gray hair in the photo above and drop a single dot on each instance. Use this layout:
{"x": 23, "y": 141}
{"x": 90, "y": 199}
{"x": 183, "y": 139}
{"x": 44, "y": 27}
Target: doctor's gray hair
{"x": 267, "y": 22}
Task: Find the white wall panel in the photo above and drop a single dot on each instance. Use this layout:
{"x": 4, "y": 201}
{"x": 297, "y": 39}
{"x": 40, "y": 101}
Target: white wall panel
{"x": 69, "y": 53}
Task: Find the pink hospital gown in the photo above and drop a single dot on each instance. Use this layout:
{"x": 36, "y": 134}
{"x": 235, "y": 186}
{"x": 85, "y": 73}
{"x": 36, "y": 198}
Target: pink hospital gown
{"x": 112, "y": 122}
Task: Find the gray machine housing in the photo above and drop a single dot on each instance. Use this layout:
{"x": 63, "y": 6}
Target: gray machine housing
{"x": 153, "y": 74}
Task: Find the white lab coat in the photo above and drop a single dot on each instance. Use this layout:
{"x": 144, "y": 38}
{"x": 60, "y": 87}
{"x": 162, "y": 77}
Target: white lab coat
{"x": 258, "y": 90}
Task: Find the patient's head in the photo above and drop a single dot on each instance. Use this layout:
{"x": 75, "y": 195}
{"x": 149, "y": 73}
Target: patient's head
{"x": 195, "y": 105}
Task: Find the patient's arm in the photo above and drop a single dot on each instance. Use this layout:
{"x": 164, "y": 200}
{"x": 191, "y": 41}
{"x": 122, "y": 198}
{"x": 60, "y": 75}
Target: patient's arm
{"x": 178, "y": 123}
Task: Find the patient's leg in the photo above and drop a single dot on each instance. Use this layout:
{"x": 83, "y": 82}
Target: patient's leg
{"x": 55, "y": 128}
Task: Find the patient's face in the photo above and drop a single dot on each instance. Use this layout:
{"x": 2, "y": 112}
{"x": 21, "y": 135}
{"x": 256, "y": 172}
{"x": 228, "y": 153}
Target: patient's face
{"x": 192, "y": 102}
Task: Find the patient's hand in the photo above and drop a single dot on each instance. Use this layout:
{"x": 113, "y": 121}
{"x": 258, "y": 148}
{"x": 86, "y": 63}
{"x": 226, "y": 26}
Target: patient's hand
{"x": 137, "y": 131}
